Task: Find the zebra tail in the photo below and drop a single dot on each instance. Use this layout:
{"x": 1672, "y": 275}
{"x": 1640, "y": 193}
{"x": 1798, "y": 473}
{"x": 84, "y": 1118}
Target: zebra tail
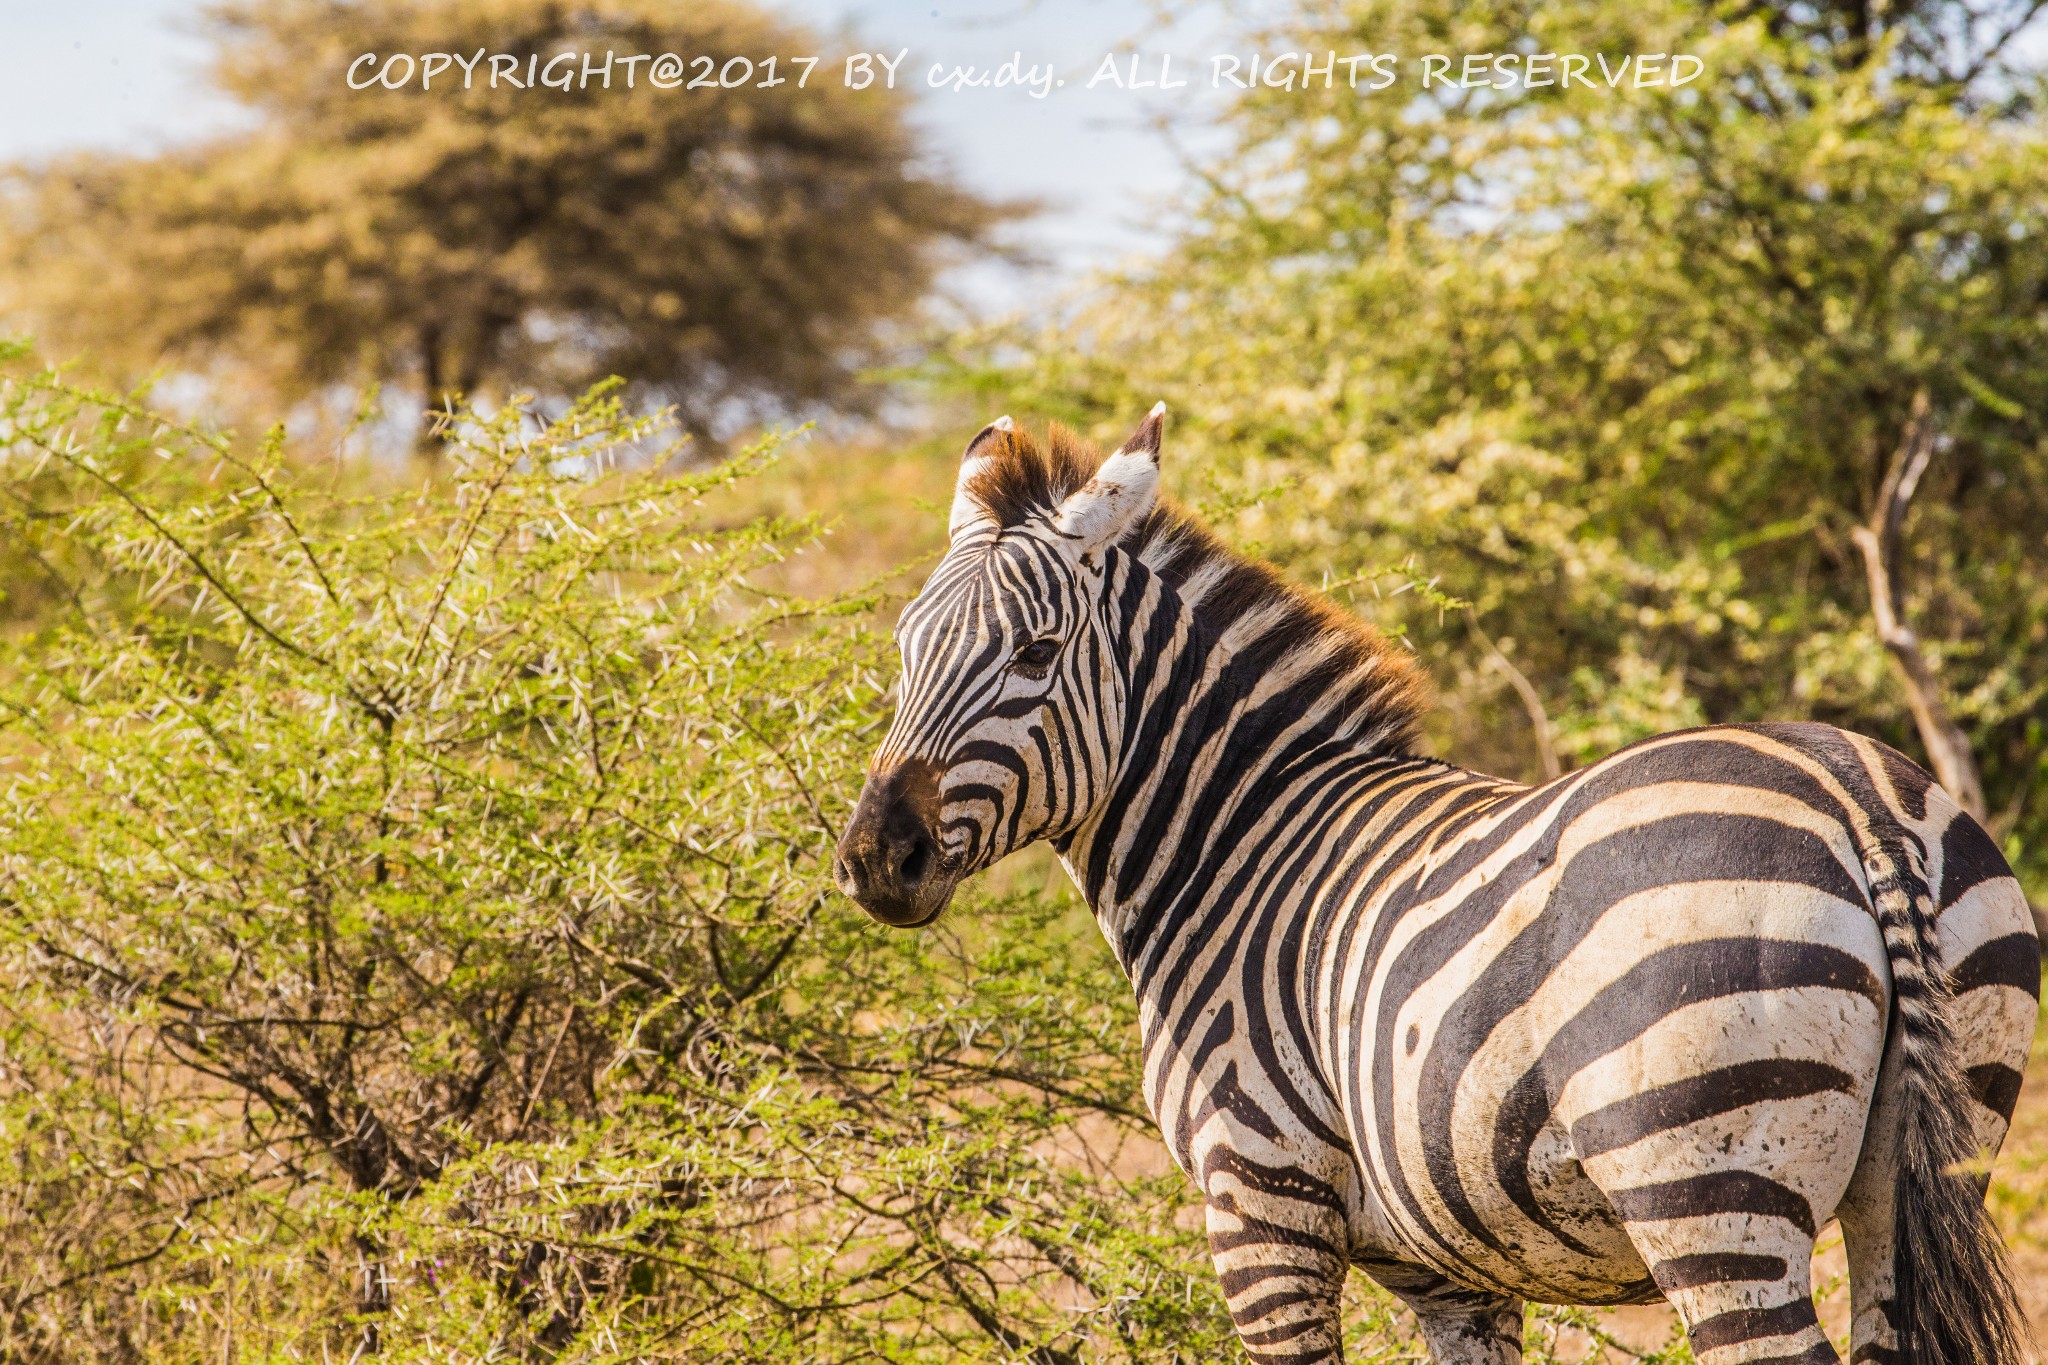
{"x": 1953, "y": 1302}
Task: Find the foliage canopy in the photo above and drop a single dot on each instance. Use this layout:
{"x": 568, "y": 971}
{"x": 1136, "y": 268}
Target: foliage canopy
{"x": 1625, "y": 368}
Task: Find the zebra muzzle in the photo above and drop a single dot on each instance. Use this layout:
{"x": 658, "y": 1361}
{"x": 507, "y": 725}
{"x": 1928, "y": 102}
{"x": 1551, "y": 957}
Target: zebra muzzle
{"x": 889, "y": 858}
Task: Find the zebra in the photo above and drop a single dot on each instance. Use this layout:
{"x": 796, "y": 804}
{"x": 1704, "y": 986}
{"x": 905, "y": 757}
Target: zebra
{"x": 1637, "y": 1032}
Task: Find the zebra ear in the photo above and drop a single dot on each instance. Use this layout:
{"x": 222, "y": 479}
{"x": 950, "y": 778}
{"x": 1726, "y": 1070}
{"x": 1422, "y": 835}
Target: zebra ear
{"x": 972, "y": 462}
{"x": 1119, "y": 495}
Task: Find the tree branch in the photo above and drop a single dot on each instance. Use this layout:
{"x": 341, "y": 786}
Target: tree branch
{"x": 1948, "y": 748}
{"x": 1532, "y": 700}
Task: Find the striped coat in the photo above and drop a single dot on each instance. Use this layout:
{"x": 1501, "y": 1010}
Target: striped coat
{"x": 1635, "y": 1033}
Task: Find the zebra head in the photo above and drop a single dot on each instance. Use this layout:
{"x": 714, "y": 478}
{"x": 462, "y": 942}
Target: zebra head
{"x": 1010, "y": 708}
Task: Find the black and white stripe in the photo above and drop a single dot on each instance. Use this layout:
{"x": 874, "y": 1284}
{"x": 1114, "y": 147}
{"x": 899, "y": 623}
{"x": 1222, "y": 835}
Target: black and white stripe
{"x": 1635, "y": 1033}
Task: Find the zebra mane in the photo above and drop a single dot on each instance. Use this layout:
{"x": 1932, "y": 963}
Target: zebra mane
{"x": 1365, "y": 682}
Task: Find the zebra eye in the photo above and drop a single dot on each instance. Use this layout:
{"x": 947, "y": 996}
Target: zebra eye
{"x": 1035, "y": 658}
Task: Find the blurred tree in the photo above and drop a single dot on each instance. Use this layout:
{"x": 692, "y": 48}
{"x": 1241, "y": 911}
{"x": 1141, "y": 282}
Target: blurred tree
{"x": 1627, "y": 368}
{"x": 728, "y": 249}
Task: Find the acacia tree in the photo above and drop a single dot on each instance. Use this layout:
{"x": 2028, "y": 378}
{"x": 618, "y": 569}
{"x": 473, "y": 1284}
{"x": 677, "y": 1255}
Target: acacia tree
{"x": 1627, "y": 369}
{"x": 728, "y": 249}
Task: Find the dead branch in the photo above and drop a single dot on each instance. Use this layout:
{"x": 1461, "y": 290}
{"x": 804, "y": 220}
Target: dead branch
{"x": 1532, "y": 700}
{"x": 1948, "y": 748}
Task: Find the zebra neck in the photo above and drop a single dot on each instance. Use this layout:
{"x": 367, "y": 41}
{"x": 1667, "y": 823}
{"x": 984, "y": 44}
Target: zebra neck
{"x": 1225, "y": 780}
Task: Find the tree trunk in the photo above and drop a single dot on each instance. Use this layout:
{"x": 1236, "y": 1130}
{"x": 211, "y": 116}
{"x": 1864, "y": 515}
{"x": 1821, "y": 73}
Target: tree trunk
{"x": 445, "y": 383}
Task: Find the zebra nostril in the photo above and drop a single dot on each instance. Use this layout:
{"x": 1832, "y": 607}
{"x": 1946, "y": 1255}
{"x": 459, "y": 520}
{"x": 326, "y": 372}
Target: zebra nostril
{"x": 916, "y": 862}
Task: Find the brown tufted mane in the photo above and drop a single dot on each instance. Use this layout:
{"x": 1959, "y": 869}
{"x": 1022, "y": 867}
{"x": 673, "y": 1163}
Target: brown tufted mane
{"x": 1369, "y": 680}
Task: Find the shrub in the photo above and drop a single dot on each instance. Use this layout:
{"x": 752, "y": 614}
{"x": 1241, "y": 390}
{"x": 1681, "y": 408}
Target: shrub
{"x": 416, "y": 934}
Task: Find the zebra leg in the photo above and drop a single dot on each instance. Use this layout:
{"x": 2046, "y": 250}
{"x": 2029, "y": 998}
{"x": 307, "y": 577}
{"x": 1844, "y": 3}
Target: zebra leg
{"x": 1866, "y": 1213}
{"x": 1284, "y": 1283}
{"x": 1985, "y": 932}
{"x": 1462, "y": 1326}
{"x": 1867, "y": 1233}
{"x": 1868, "y": 1210}
{"x": 1724, "y": 1210}
{"x": 1746, "y": 1296}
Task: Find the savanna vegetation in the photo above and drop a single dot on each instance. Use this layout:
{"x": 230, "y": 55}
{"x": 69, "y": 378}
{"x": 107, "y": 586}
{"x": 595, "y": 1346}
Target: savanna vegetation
{"x": 416, "y": 935}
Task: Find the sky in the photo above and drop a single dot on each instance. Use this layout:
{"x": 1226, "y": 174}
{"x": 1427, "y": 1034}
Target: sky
{"x": 126, "y": 74}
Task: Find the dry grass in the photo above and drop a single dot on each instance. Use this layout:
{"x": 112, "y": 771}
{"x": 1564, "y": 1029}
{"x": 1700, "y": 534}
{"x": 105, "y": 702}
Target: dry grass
{"x": 883, "y": 502}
